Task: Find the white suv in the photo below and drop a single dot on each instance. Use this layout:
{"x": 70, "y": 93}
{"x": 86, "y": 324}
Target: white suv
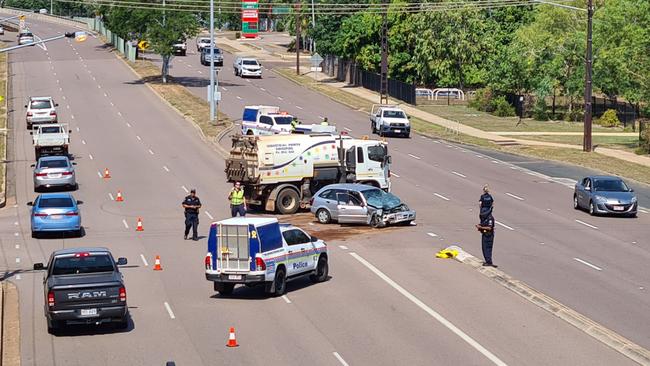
{"x": 245, "y": 66}
{"x": 41, "y": 110}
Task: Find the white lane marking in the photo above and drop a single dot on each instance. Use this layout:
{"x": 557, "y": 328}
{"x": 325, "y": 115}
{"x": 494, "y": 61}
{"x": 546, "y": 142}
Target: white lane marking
{"x": 224, "y": 89}
{"x": 169, "y": 311}
{"x": 106, "y": 95}
{"x": 208, "y": 215}
{"x": 58, "y": 81}
{"x": 60, "y": 89}
{"x": 67, "y": 106}
{"x": 238, "y": 97}
{"x": 90, "y": 156}
{"x": 280, "y": 98}
{"x": 347, "y": 129}
{"x": 144, "y": 260}
{"x": 459, "y": 174}
{"x": 16, "y": 223}
{"x": 586, "y": 224}
{"x": 16, "y": 234}
{"x": 185, "y": 189}
{"x": 588, "y": 264}
{"x": 18, "y": 277}
{"x": 343, "y": 247}
{"x": 262, "y": 89}
{"x": 83, "y": 142}
{"x": 17, "y": 246}
{"x": 495, "y": 162}
{"x": 119, "y": 113}
{"x": 200, "y": 72}
{"x": 441, "y": 196}
{"x": 63, "y": 96}
{"x": 514, "y": 196}
{"x": 138, "y": 137}
{"x": 128, "y": 124}
{"x": 99, "y": 174}
{"x": 433, "y": 235}
{"x": 112, "y": 105}
{"x": 54, "y": 73}
{"x": 286, "y": 299}
{"x": 449, "y": 325}
{"x": 110, "y": 195}
{"x": 514, "y": 168}
{"x": 415, "y": 157}
{"x": 99, "y": 86}
{"x": 341, "y": 360}
{"x": 299, "y": 107}
{"x": 504, "y": 225}
{"x": 151, "y": 152}
{"x": 126, "y": 225}
{"x": 392, "y": 173}
{"x": 17, "y": 260}
{"x": 248, "y": 81}
{"x": 166, "y": 168}
{"x": 311, "y": 224}
{"x": 77, "y": 129}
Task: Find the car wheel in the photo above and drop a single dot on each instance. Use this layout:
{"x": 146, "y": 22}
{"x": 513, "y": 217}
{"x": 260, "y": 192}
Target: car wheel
{"x": 34, "y": 234}
{"x": 280, "y": 282}
{"x": 372, "y": 127}
{"x": 323, "y": 216}
{"x": 224, "y": 288}
{"x": 54, "y": 326}
{"x": 592, "y": 209}
{"x": 322, "y": 270}
{"x": 576, "y": 205}
{"x": 123, "y": 323}
{"x": 29, "y": 126}
{"x": 375, "y": 221}
{"x": 287, "y": 202}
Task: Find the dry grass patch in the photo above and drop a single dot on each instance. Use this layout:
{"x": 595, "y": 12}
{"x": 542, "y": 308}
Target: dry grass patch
{"x": 629, "y": 143}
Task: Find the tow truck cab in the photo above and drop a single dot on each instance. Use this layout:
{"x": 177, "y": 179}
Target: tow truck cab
{"x": 261, "y": 251}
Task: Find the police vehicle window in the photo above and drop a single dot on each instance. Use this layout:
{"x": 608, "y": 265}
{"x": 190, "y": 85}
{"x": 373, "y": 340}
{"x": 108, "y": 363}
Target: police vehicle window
{"x": 82, "y": 264}
{"x": 377, "y": 153}
{"x": 359, "y": 155}
{"x": 283, "y": 120}
{"x": 300, "y": 237}
{"x": 249, "y": 114}
{"x": 266, "y": 120}
{"x": 288, "y": 237}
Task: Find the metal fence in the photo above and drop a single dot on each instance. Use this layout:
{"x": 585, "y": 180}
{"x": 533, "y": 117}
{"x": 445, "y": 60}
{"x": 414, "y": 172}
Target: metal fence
{"x": 626, "y": 112}
{"x": 348, "y": 71}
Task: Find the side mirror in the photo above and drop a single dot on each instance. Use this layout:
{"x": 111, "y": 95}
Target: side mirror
{"x": 80, "y": 202}
{"x": 39, "y": 266}
{"x": 314, "y": 239}
{"x": 73, "y": 163}
{"x": 31, "y": 132}
{"x": 69, "y": 131}
{"x": 25, "y": 105}
{"x": 122, "y": 261}
{"x": 362, "y": 204}
{"x": 30, "y": 203}
{"x": 409, "y": 117}
{"x": 56, "y": 104}
{"x": 389, "y": 159}
{"x": 631, "y": 189}
{"x": 33, "y": 165}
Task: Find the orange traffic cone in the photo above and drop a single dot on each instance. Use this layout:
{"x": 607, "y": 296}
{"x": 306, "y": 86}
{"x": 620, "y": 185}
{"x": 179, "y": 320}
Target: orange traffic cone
{"x": 156, "y": 265}
{"x": 107, "y": 174}
{"x": 232, "y": 341}
{"x": 119, "y": 197}
{"x": 139, "y": 227}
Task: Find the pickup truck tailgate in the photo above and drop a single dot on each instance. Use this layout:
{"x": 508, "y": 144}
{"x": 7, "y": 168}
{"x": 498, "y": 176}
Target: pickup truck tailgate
{"x": 87, "y": 291}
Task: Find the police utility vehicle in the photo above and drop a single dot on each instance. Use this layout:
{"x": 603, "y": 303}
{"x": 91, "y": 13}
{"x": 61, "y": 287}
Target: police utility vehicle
{"x": 261, "y": 251}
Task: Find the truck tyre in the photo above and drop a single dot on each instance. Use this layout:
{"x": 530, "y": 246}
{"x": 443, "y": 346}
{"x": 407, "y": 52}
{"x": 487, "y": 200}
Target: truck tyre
{"x": 280, "y": 282}
{"x": 323, "y": 216}
{"x": 224, "y": 288}
{"x": 287, "y": 202}
{"x": 322, "y": 270}
{"x": 123, "y": 323}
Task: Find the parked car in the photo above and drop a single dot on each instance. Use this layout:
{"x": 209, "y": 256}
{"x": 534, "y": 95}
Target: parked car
{"x": 55, "y": 212}
{"x": 354, "y": 203}
{"x": 25, "y": 37}
{"x": 245, "y": 66}
{"x": 203, "y": 42}
{"x": 205, "y": 56}
{"x": 54, "y": 171}
{"x": 40, "y": 110}
{"x": 180, "y": 48}
{"x": 42, "y": 11}
{"x": 605, "y": 195}
{"x": 2, "y": 30}
{"x": 84, "y": 285}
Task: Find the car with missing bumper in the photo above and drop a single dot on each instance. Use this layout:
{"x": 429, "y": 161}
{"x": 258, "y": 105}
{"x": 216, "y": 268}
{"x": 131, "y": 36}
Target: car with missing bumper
{"x": 260, "y": 251}
{"x": 354, "y": 203}
{"x": 605, "y": 195}
{"x": 84, "y": 285}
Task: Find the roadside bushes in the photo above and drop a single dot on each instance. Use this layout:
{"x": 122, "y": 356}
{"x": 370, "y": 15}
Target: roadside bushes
{"x": 502, "y": 108}
{"x": 609, "y": 119}
{"x": 487, "y": 100}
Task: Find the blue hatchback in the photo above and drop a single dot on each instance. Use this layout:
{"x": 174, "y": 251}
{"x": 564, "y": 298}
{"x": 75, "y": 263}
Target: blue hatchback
{"x": 55, "y": 212}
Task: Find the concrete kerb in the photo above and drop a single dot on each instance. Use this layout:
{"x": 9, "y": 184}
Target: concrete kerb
{"x": 3, "y": 194}
{"x": 595, "y": 330}
{"x": 10, "y": 325}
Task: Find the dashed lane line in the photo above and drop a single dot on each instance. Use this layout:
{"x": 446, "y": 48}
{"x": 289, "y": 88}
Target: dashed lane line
{"x": 459, "y": 174}
{"x": 340, "y": 359}
{"x": 343, "y": 247}
{"x": 126, "y": 224}
{"x": 415, "y": 156}
{"x": 514, "y": 196}
{"x": 588, "y": 264}
{"x": 99, "y": 174}
{"x": 441, "y": 196}
{"x": 151, "y": 152}
{"x": 286, "y": 299}
{"x": 238, "y": 97}
{"x": 90, "y": 156}
{"x": 144, "y": 260}
{"x": 299, "y": 107}
{"x": 166, "y": 168}
{"x": 442, "y": 320}
{"x": 433, "y": 235}
{"x": 110, "y": 195}
{"x": 208, "y": 215}
{"x": 393, "y": 174}
{"x": 169, "y": 311}
{"x": 347, "y": 129}
{"x": 185, "y": 189}
{"x": 138, "y": 137}
{"x": 586, "y": 224}
{"x": 504, "y": 225}
{"x": 83, "y": 142}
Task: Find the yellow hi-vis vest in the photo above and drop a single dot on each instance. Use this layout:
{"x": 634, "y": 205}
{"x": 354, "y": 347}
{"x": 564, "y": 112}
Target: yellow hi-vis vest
{"x": 237, "y": 197}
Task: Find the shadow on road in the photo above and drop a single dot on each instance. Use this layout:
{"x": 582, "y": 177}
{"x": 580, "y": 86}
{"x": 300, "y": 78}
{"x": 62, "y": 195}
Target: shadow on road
{"x": 257, "y": 292}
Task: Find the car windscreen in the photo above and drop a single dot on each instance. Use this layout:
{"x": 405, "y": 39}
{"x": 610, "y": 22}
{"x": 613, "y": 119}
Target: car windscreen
{"x": 59, "y": 163}
{"x": 250, "y": 62}
{"x": 380, "y": 199}
{"x": 394, "y": 114}
{"x": 82, "y": 264}
{"x": 40, "y": 104}
{"x": 216, "y": 50}
{"x": 610, "y": 185}
{"x": 26, "y": 34}
{"x": 283, "y": 120}
{"x": 58, "y": 202}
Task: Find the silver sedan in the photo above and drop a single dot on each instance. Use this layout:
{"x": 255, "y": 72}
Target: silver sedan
{"x": 54, "y": 171}
{"x": 605, "y": 195}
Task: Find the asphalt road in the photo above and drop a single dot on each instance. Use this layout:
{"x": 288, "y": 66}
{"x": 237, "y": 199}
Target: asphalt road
{"x": 540, "y": 239}
{"x": 388, "y": 301}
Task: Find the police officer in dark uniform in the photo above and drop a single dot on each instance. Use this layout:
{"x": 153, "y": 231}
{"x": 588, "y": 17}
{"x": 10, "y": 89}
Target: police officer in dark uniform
{"x": 486, "y": 199}
{"x": 486, "y": 228}
{"x": 191, "y": 204}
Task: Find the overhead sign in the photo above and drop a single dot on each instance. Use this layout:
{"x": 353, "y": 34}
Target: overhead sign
{"x": 249, "y": 18}
{"x": 143, "y": 45}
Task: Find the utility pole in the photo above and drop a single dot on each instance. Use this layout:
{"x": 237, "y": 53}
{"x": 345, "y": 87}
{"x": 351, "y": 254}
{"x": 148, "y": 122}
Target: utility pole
{"x": 587, "y": 143}
{"x": 298, "y": 37}
{"x": 313, "y": 24}
{"x": 52, "y": 7}
{"x": 211, "y": 87}
{"x": 383, "y": 87}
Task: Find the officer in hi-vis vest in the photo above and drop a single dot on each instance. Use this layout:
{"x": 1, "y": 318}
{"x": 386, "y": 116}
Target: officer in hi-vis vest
{"x": 237, "y": 200}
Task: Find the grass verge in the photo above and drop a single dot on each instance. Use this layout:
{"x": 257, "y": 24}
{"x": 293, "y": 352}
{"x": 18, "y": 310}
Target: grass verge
{"x": 593, "y": 161}
{"x": 629, "y": 143}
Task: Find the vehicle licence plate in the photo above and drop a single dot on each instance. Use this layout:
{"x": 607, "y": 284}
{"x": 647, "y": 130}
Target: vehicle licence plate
{"x": 54, "y": 175}
{"x": 88, "y": 312}
{"x": 234, "y": 277}
{"x": 56, "y": 217}
{"x": 398, "y": 131}
{"x": 618, "y": 208}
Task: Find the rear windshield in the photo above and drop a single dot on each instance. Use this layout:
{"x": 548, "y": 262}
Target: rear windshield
{"x": 78, "y": 265}
{"x": 250, "y": 114}
{"x": 50, "y": 130}
{"x": 55, "y": 202}
{"x": 283, "y": 120}
{"x": 249, "y": 62}
{"x": 41, "y": 104}
{"x": 61, "y": 163}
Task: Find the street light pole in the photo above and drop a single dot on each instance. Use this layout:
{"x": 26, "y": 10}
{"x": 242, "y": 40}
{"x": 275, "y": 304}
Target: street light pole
{"x": 313, "y": 24}
{"x": 52, "y": 7}
{"x": 298, "y": 38}
{"x": 211, "y": 88}
{"x": 587, "y": 142}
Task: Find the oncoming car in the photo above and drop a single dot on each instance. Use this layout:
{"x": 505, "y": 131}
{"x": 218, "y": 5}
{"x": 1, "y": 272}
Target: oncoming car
{"x": 605, "y": 195}
{"x": 55, "y": 212}
{"x": 354, "y": 203}
{"x": 244, "y": 66}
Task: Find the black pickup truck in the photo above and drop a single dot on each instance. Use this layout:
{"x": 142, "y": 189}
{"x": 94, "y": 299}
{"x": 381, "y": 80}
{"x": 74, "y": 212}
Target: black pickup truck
{"x": 84, "y": 285}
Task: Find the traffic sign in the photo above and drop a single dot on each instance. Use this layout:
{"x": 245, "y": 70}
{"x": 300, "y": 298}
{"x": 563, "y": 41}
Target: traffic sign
{"x": 316, "y": 59}
{"x": 143, "y": 45}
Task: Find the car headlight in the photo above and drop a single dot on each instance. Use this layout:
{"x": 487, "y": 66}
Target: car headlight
{"x": 633, "y": 200}
{"x": 600, "y": 199}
